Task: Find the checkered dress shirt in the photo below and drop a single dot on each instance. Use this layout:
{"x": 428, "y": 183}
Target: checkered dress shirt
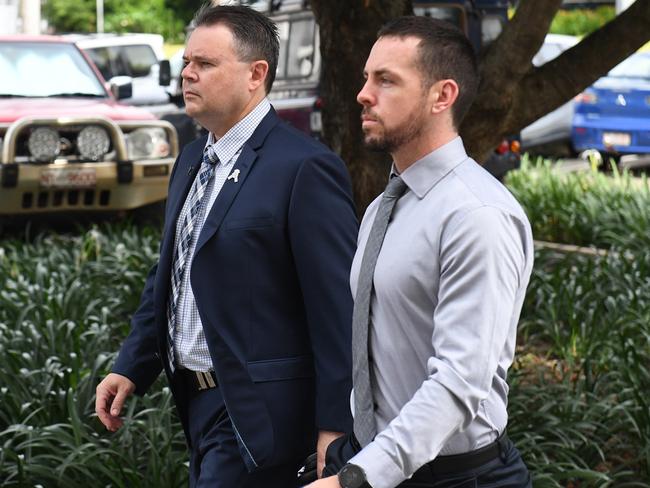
{"x": 190, "y": 346}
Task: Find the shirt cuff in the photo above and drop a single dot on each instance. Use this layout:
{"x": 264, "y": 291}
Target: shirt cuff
{"x": 381, "y": 471}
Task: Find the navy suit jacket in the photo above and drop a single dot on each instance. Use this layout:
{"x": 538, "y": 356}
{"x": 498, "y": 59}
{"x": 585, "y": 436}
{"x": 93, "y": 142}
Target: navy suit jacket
{"x": 270, "y": 276}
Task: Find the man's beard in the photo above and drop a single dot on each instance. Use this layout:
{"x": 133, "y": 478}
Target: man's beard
{"x": 391, "y": 140}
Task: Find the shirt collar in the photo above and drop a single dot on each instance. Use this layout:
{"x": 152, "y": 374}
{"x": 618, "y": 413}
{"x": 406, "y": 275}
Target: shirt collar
{"x": 227, "y": 146}
{"x": 423, "y": 175}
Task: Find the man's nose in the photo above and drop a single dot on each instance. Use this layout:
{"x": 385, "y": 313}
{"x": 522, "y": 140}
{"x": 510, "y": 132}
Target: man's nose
{"x": 187, "y": 72}
{"x": 364, "y": 97}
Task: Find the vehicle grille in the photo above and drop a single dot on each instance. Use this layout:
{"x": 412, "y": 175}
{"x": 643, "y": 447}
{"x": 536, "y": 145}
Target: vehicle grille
{"x": 66, "y": 198}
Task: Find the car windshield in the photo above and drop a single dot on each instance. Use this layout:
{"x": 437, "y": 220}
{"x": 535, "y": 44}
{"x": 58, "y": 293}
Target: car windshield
{"x": 38, "y": 69}
{"x": 636, "y": 66}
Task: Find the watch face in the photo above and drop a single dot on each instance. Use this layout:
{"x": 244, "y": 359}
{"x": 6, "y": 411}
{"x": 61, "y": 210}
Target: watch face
{"x": 352, "y": 476}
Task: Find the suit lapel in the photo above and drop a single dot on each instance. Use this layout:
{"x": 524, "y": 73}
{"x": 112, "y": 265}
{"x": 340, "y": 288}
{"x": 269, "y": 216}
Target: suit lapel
{"x": 226, "y": 196}
{"x": 232, "y": 186}
{"x": 187, "y": 171}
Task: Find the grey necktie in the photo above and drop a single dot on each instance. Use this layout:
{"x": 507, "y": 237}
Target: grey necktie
{"x": 364, "y": 418}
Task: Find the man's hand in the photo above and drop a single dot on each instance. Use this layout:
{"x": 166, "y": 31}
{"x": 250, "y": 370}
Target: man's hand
{"x": 325, "y": 438}
{"x": 329, "y": 482}
{"x": 111, "y": 394}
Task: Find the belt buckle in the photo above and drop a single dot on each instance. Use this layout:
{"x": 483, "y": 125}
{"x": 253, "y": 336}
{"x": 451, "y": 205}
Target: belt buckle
{"x": 205, "y": 380}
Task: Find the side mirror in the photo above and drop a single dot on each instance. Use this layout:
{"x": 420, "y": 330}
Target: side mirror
{"x": 121, "y": 87}
{"x": 164, "y": 73}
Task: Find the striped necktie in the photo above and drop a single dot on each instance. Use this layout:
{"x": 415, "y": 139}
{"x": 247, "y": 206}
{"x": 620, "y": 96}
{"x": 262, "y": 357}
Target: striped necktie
{"x": 195, "y": 210}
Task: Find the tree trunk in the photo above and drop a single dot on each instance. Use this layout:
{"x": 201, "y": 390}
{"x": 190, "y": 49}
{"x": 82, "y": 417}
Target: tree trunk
{"x": 347, "y": 32}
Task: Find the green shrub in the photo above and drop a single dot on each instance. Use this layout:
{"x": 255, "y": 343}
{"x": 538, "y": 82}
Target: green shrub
{"x": 584, "y": 208}
{"x": 64, "y": 310}
{"x": 578, "y": 406}
{"x": 580, "y": 22}
{"x": 152, "y": 16}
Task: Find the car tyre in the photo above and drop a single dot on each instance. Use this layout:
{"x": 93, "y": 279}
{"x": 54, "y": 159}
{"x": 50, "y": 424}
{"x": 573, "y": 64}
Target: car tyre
{"x": 592, "y": 156}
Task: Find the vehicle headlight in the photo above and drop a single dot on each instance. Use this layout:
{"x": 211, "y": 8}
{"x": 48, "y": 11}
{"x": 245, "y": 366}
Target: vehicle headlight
{"x": 93, "y": 142}
{"x": 150, "y": 142}
{"x": 43, "y": 144}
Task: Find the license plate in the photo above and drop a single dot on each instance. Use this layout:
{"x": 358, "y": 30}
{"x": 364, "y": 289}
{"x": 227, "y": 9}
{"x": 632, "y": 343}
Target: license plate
{"x": 68, "y": 178}
{"x": 616, "y": 139}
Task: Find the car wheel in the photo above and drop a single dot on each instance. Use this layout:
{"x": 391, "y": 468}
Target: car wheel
{"x": 593, "y": 156}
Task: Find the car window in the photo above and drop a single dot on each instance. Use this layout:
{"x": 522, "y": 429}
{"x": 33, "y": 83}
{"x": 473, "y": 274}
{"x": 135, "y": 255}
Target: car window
{"x": 283, "y": 33}
{"x": 135, "y": 61}
{"x": 300, "y": 58}
{"x": 297, "y": 46}
{"x": 139, "y": 59}
{"x": 100, "y": 57}
{"x": 33, "y": 69}
{"x": 109, "y": 61}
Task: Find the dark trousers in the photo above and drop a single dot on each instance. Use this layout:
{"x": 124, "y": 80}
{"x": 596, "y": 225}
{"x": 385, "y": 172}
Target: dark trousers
{"x": 215, "y": 461}
{"x": 505, "y": 471}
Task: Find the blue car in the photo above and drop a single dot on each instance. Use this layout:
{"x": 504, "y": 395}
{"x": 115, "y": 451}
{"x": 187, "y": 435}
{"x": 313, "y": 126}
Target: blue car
{"x": 613, "y": 115}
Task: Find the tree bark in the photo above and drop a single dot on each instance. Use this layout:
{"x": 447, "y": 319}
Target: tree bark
{"x": 347, "y": 32}
{"x": 501, "y": 68}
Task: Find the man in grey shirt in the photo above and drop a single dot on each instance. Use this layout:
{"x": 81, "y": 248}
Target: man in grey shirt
{"x": 446, "y": 288}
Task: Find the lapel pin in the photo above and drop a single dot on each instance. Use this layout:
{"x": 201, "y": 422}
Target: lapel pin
{"x": 234, "y": 176}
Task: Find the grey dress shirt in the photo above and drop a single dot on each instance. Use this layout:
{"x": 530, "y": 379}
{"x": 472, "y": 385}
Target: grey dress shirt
{"x": 449, "y": 285}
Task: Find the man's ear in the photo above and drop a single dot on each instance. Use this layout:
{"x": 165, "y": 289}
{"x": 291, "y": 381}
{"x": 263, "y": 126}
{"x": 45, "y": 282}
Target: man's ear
{"x": 443, "y": 94}
{"x": 259, "y": 72}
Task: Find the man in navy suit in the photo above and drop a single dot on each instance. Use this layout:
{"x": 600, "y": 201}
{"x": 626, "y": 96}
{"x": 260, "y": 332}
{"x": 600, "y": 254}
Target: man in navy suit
{"x": 248, "y": 309}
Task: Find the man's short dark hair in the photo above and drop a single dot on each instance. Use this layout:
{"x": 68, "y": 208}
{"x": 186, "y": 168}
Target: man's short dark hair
{"x": 255, "y": 35}
{"x": 444, "y": 53}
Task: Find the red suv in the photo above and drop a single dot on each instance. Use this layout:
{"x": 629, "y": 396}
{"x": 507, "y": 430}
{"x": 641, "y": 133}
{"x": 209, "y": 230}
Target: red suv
{"x": 66, "y": 143}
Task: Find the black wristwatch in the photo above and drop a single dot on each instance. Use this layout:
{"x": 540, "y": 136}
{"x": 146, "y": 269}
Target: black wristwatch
{"x": 353, "y": 476}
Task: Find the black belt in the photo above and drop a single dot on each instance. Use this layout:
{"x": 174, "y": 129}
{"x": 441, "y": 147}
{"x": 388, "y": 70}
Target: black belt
{"x": 198, "y": 380}
{"x": 472, "y": 459}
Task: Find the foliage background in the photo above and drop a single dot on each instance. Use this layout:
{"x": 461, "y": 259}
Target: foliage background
{"x": 170, "y": 17}
{"x": 580, "y": 22}
{"x": 64, "y": 310}
{"x": 578, "y": 404}
{"x": 165, "y": 17}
